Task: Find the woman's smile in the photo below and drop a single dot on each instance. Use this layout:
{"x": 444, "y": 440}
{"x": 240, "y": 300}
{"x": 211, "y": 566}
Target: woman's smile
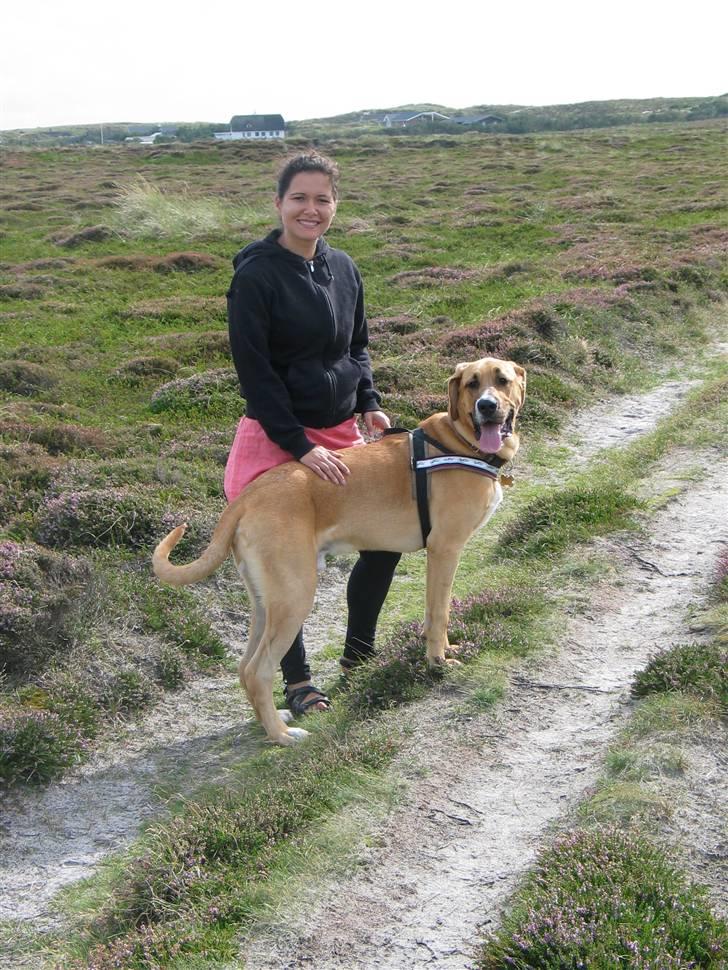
{"x": 307, "y": 210}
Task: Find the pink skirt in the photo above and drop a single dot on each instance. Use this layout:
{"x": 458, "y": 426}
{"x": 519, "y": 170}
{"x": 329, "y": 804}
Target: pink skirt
{"x": 253, "y": 452}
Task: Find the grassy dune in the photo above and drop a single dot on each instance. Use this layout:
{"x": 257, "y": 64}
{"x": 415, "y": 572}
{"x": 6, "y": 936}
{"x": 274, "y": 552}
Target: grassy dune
{"x": 596, "y": 259}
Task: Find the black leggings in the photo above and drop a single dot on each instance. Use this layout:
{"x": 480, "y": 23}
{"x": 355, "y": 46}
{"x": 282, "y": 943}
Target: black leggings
{"x": 368, "y": 586}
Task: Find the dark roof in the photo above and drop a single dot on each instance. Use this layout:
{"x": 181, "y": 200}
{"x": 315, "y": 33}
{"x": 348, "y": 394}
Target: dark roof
{"x": 257, "y": 123}
{"x": 477, "y": 119}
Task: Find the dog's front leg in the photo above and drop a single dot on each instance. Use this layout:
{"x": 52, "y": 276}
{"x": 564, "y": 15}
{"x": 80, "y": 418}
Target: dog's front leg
{"x": 442, "y": 563}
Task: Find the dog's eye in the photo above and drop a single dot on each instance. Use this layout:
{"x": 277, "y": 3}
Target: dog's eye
{"x": 475, "y": 382}
{"x": 502, "y": 381}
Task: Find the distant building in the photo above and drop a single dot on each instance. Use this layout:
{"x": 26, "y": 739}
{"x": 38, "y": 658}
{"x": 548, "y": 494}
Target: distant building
{"x": 166, "y": 132}
{"x": 145, "y": 139}
{"x": 478, "y": 121}
{"x": 253, "y": 126}
{"x": 402, "y": 119}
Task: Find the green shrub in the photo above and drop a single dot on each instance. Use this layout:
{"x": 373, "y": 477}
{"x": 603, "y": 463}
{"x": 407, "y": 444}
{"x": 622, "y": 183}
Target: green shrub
{"x": 21, "y": 291}
{"x": 602, "y": 899}
{"x": 88, "y": 234}
{"x": 399, "y": 672}
{"x": 396, "y": 675}
{"x": 25, "y": 473}
{"x": 98, "y": 517}
{"x": 692, "y": 668}
{"x": 185, "y": 856}
{"x": 170, "y": 668}
{"x": 173, "y": 614}
{"x": 35, "y": 745}
{"x": 127, "y": 692}
{"x": 494, "y": 618}
{"x": 40, "y": 594}
{"x": 25, "y": 378}
{"x": 213, "y": 389}
{"x": 109, "y": 517}
{"x": 721, "y": 579}
{"x": 70, "y": 696}
{"x": 135, "y": 370}
{"x": 58, "y": 439}
{"x": 553, "y": 522}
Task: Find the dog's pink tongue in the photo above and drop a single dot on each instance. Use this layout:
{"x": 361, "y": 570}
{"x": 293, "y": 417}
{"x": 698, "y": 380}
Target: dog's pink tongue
{"x": 490, "y": 438}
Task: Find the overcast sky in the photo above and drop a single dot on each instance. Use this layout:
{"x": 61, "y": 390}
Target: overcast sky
{"x": 87, "y": 61}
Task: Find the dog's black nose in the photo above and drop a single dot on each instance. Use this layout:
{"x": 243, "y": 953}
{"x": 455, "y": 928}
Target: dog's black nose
{"x": 487, "y": 406}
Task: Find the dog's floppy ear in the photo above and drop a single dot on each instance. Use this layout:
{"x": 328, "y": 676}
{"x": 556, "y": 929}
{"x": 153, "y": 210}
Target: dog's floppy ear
{"x": 453, "y": 391}
{"x": 521, "y": 374}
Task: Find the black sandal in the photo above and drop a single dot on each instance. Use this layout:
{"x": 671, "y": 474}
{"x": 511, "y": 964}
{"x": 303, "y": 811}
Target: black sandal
{"x": 349, "y": 664}
{"x": 302, "y": 699}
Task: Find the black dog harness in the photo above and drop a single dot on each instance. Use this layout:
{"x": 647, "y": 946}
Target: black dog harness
{"x": 488, "y": 465}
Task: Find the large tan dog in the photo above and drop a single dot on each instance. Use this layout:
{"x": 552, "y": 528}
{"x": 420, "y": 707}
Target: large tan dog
{"x": 289, "y": 517}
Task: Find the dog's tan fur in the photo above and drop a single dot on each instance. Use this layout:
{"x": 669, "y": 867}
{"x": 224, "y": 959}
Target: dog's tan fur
{"x": 283, "y": 521}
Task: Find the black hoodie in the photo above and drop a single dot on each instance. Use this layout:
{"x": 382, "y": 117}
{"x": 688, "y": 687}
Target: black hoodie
{"x": 298, "y": 335}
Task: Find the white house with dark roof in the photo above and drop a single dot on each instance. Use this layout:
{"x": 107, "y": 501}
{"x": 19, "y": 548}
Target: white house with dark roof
{"x": 253, "y": 127}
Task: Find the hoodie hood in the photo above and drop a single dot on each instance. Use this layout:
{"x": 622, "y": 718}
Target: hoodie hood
{"x": 271, "y": 247}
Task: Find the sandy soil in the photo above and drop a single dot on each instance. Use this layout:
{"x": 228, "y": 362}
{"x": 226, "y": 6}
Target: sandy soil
{"x": 448, "y": 858}
{"x": 481, "y": 794}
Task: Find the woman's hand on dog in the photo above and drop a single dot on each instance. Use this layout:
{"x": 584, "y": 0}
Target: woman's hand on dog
{"x": 326, "y": 464}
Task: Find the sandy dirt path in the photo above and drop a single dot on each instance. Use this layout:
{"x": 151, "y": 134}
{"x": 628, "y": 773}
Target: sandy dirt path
{"x": 454, "y": 849}
{"x": 482, "y": 799}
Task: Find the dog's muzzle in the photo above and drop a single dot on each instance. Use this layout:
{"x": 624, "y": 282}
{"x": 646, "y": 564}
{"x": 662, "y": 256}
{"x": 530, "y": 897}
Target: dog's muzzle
{"x": 491, "y": 428}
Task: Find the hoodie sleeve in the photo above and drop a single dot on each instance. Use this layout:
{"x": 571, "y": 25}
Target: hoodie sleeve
{"x": 367, "y": 398}
{"x": 261, "y": 386}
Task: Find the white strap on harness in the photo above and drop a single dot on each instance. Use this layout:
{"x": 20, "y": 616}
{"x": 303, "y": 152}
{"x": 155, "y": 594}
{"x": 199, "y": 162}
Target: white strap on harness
{"x": 450, "y": 461}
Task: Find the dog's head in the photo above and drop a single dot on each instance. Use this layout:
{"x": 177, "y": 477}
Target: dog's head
{"x": 485, "y": 397}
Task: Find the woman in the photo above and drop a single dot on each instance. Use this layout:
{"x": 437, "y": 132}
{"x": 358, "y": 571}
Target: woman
{"x": 298, "y": 336}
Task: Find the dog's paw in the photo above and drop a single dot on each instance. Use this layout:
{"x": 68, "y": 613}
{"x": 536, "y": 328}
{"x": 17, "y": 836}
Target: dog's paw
{"x": 438, "y": 663}
{"x": 291, "y": 735}
{"x": 285, "y": 715}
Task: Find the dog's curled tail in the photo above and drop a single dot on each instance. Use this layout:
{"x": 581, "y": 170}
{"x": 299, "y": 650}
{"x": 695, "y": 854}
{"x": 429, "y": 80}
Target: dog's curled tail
{"x": 215, "y": 554}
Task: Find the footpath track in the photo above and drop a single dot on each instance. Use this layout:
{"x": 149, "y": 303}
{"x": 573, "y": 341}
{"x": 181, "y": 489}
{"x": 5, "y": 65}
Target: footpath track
{"x": 480, "y": 799}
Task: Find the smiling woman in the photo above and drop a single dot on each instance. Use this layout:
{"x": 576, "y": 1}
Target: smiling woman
{"x": 298, "y": 335}
{"x": 307, "y": 208}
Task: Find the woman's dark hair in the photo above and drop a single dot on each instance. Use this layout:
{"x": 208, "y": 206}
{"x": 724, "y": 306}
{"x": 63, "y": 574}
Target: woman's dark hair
{"x": 307, "y": 162}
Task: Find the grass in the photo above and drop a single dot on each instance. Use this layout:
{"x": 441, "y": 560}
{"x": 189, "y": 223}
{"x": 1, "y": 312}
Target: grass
{"x": 218, "y": 851}
{"x": 146, "y": 210}
{"x": 603, "y": 898}
{"x": 115, "y": 411}
{"x": 214, "y": 859}
{"x": 695, "y": 668}
{"x": 606, "y": 894}
{"x": 552, "y": 523}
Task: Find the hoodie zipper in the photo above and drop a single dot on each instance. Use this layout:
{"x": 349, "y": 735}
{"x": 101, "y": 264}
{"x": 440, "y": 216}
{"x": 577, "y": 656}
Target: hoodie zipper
{"x": 330, "y": 376}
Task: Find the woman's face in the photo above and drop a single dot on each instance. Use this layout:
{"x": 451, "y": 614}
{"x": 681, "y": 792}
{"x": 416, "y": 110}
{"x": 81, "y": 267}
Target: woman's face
{"x": 307, "y": 210}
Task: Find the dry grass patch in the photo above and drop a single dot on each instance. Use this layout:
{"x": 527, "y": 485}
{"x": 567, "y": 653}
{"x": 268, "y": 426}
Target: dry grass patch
{"x": 196, "y": 307}
{"x": 22, "y": 291}
{"x": 98, "y": 233}
{"x": 432, "y": 275}
{"x": 183, "y": 262}
{"x": 26, "y": 378}
{"x": 58, "y": 439}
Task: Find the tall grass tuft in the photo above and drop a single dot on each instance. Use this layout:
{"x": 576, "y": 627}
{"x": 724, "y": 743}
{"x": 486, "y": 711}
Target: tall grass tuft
{"x": 146, "y": 210}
